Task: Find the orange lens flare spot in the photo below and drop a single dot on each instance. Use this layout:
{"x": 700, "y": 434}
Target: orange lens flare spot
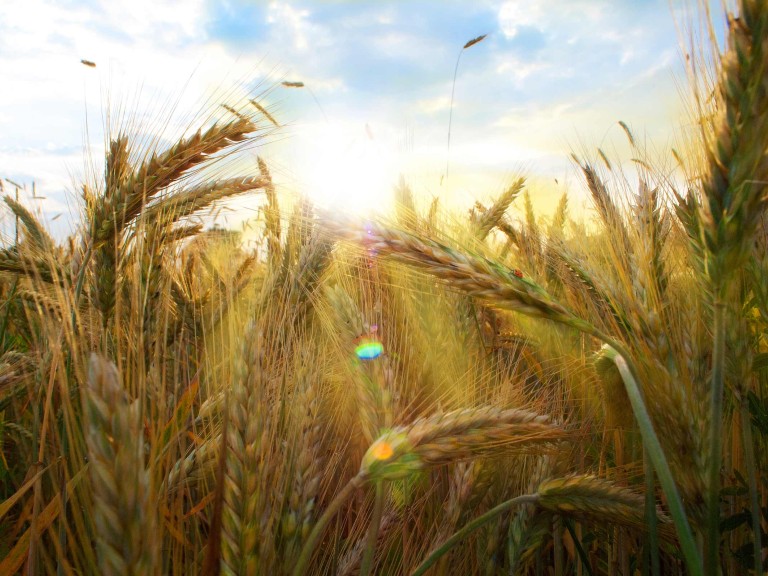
{"x": 382, "y": 451}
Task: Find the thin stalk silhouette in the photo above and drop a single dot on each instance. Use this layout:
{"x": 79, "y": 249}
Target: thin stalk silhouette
{"x": 469, "y": 44}
{"x": 287, "y": 84}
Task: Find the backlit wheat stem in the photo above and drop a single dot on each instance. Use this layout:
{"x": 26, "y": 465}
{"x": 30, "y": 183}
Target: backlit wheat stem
{"x": 271, "y": 215}
{"x": 471, "y": 527}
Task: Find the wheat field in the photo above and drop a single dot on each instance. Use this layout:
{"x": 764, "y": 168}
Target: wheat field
{"x": 430, "y": 392}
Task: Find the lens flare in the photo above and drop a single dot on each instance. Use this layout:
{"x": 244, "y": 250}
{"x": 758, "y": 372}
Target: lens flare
{"x": 382, "y": 450}
{"x": 369, "y": 350}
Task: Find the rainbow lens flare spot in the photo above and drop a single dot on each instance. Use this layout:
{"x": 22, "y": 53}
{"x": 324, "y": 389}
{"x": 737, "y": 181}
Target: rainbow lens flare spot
{"x": 369, "y": 350}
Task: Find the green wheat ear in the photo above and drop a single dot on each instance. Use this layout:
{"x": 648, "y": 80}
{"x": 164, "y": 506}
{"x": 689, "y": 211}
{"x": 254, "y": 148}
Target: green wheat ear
{"x": 390, "y": 457}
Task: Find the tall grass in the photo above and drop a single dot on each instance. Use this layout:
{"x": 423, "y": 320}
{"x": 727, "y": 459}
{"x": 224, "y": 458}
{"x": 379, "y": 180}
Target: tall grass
{"x": 434, "y": 393}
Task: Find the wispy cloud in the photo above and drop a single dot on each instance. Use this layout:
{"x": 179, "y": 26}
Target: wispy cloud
{"x": 548, "y": 71}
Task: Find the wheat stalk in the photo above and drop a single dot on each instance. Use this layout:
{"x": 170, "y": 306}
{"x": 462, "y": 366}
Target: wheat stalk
{"x": 120, "y": 206}
{"x": 196, "y": 198}
{"x": 502, "y": 288}
{"x": 734, "y": 202}
{"x": 307, "y": 468}
{"x": 271, "y": 215}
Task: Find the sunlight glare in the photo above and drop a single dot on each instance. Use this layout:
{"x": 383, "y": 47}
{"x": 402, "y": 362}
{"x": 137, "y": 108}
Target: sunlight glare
{"x": 346, "y": 168}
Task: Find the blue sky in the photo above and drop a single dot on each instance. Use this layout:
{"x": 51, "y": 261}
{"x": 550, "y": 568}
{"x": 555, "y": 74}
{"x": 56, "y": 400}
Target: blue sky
{"x": 553, "y": 76}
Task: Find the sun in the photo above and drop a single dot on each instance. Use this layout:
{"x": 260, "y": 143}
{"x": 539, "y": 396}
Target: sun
{"x": 344, "y": 167}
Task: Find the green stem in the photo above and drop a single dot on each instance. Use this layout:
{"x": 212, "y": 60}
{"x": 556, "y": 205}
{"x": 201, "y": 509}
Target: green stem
{"x": 659, "y": 460}
{"x": 79, "y": 285}
{"x": 7, "y": 306}
{"x": 373, "y": 529}
{"x": 469, "y": 528}
{"x": 317, "y": 531}
{"x": 711, "y": 549}
{"x": 557, "y": 544}
{"x": 579, "y": 548}
{"x": 754, "y": 499}
{"x": 650, "y": 515}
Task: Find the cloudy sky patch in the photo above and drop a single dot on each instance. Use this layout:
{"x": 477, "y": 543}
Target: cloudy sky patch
{"x": 550, "y": 74}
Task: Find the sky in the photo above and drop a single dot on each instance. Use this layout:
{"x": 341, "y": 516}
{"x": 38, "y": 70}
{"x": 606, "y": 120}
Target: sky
{"x": 552, "y": 77}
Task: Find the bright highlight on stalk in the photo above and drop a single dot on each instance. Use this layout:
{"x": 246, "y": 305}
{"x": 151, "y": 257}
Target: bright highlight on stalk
{"x": 382, "y": 450}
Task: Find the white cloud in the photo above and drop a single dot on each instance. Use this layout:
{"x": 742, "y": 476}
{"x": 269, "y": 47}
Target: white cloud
{"x": 517, "y": 68}
{"x": 517, "y": 13}
{"x": 151, "y": 57}
{"x": 435, "y": 105}
{"x": 568, "y": 66}
{"x": 166, "y": 21}
{"x": 296, "y": 24}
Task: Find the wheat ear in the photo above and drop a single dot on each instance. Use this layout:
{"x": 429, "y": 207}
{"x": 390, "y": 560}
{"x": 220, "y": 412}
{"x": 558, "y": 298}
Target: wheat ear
{"x": 124, "y": 514}
{"x": 240, "y": 518}
{"x": 733, "y": 206}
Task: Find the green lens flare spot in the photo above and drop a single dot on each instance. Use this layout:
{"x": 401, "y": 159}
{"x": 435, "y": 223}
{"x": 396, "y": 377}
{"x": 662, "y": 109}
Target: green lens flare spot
{"x": 369, "y": 350}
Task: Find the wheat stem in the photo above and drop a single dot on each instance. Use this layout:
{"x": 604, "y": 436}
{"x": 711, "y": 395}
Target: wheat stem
{"x": 317, "y": 531}
{"x": 471, "y": 527}
{"x": 754, "y": 499}
{"x": 715, "y": 437}
{"x": 650, "y": 513}
{"x": 656, "y": 453}
{"x": 373, "y": 528}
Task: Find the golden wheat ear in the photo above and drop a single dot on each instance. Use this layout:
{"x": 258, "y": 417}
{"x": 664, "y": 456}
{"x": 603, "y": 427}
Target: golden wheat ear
{"x": 124, "y": 513}
{"x": 599, "y": 500}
